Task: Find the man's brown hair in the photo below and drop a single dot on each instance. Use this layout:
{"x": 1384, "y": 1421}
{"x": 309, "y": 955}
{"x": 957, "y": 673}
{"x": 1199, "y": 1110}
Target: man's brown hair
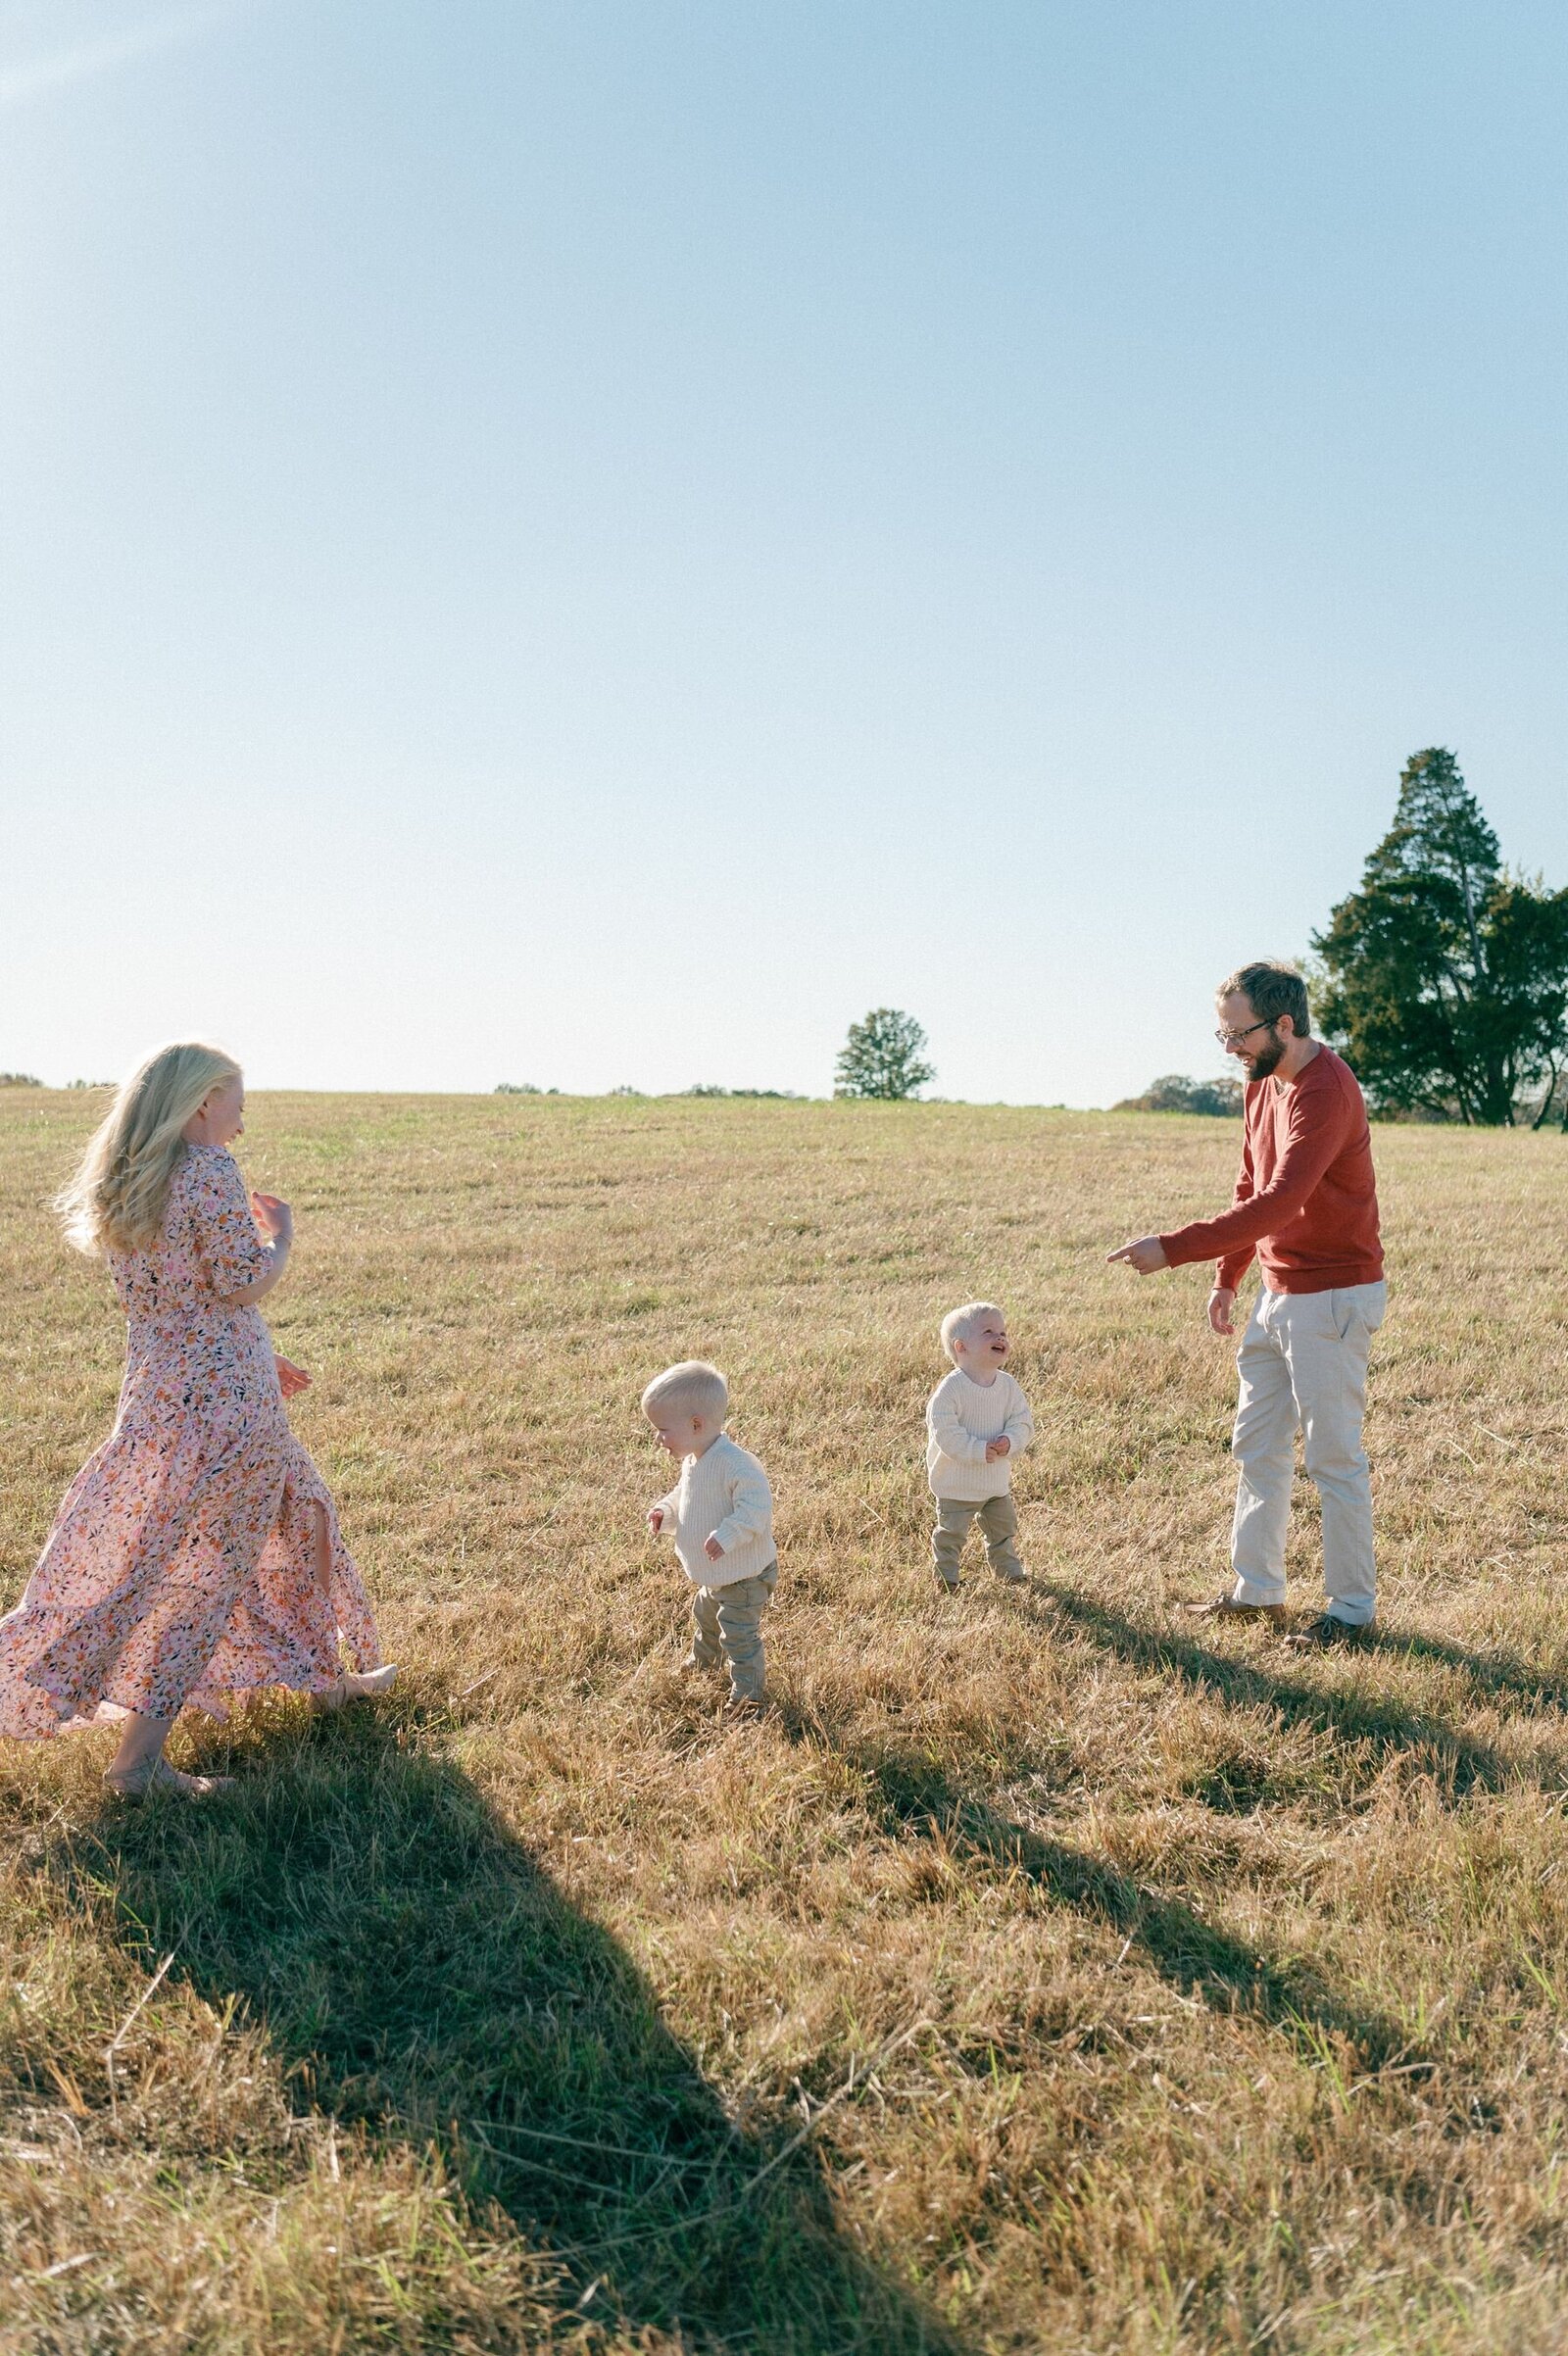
{"x": 1273, "y": 988}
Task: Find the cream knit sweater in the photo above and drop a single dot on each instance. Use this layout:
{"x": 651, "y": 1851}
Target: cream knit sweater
{"x": 721, "y": 1494}
{"x": 960, "y": 1416}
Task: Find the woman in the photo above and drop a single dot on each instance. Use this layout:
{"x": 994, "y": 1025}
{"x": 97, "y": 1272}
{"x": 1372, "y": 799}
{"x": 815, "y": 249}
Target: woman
{"x": 187, "y": 1551}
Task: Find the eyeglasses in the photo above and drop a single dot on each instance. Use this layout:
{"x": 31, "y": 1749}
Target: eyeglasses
{"x": 1235, "y": 1038}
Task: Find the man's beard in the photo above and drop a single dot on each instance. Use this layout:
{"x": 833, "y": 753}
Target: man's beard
{"x": 1268, "y": 1058}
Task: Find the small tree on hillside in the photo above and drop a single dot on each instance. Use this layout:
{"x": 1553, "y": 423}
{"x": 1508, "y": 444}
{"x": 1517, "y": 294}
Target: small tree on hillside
{"x": 1446, "y": 977}
{"x": 883, "y": 1057}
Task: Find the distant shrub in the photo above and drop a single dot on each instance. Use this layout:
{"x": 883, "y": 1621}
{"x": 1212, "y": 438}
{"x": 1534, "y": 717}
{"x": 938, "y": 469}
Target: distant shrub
{"x": 1175, "y": 1093}
{"x": 19, "y": 1079}
{"x": 707, "y": 1088}
{"x": 518, "y": 1088}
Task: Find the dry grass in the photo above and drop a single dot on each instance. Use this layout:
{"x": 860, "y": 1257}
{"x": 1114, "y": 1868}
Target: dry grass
{"x": 1150, "y": 1991}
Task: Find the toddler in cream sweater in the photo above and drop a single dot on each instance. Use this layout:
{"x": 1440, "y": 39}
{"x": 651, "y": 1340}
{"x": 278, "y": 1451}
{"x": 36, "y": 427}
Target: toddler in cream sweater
{"x": 977, "y": 1421}
{"x": 721, "y": 1515}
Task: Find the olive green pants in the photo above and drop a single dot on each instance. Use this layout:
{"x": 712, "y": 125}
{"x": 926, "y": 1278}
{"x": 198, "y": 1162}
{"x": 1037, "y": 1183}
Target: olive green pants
{"x": 999, "y": 1527}
{"x": 727, "y": 1627}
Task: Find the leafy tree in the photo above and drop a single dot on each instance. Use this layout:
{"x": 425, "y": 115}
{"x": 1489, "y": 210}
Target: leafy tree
{"x": 1446, "y": 977}
{"x": 883, "y": 1057}
{"x": 1175, "y": 1093}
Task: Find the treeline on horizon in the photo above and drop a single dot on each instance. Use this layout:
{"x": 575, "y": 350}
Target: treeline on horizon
{"x": 1443, "y": 980}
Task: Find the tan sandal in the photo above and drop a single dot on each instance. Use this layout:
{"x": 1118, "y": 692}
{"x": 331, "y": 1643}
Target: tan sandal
{"x": 355, "y": 1685}
{"x": 159, "y": 1776}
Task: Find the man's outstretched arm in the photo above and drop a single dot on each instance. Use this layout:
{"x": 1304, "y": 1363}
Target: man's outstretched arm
{"x": 1231, "y": 1237}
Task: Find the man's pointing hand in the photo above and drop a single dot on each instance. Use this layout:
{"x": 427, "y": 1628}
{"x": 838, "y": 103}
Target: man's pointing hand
{"x": 1145, "y": 1255}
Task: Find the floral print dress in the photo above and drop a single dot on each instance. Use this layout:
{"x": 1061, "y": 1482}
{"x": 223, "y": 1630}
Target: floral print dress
{"x": 188, "y": 1520}
{"x": 289, "y": 1623}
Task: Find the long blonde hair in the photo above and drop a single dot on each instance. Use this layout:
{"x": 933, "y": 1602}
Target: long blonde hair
{"x": 118, "y": 1196}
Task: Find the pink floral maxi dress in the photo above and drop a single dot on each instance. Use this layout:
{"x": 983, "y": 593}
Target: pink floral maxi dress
{"x": 181, "y": 1564}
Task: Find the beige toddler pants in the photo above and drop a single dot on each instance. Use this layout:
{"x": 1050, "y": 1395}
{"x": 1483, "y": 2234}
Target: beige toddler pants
{"x": 728, "y": 1626}
{"x": 1302, "y": 1362}
{"x": 999, "y": 1527}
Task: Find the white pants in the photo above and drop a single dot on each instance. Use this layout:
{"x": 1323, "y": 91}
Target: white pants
{"x": 1302, "y": 1362}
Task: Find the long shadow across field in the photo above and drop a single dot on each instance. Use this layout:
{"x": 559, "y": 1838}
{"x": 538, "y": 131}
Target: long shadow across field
{"x": 421, "y": 1976}
{"x": 1459, "y": 1764}
{"x": 1194, "y": 1955}
{"x": 1502, "y": 1676}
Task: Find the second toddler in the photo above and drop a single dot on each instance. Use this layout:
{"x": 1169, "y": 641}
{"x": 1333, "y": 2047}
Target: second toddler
{"x": 977, "y": 1421}
{"x": 721, "y": 1515}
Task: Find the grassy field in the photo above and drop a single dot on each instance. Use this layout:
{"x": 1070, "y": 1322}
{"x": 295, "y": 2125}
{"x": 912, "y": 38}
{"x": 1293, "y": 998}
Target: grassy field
{"x": 1040, "y": 1975}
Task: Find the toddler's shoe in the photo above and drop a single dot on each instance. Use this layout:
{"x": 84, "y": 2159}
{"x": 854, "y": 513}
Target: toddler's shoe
{"x": 948, "y": 1587}
{"x": 745, "y": 1706}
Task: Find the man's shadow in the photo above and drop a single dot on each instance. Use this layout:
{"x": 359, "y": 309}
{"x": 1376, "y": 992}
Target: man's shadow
{"x": 1457, "y": 1763}
{"x": 1499, "y": 1675}
{"x": 1184, "y": 1947}
{"x": 1194, "y": 1955}
{"x": 420, "y": 1976}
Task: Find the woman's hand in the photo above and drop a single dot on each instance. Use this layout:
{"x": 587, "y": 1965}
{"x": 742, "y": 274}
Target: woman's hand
{"x": 291, "y": 1379}
{"x": 274, "y": 1223}
{"x": 272, "y": 1217}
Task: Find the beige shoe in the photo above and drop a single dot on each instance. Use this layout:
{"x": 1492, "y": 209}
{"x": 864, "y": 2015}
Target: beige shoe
{"x": 159, "y": 1776}
{"x": 355, "y": 1685}
{"x": 1226, "y": 1607}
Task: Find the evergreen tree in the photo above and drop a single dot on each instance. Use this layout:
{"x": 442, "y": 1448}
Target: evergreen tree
{"x": 1446, "y": 977}
{"x": 883, "y": 1057}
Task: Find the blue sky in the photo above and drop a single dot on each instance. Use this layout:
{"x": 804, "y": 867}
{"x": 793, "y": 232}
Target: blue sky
{"x": 592, "y": 544}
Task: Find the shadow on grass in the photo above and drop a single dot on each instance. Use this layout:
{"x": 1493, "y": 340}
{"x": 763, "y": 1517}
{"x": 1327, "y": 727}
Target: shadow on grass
{"x": 1502, "y": 1676}
{"x": 1457, "y": 1763}
{"x": 420, "y": 1976}
{"x": 1194, "y": 1956}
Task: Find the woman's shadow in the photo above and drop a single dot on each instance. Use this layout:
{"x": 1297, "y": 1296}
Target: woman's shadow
{"x": 421, "y": 1978}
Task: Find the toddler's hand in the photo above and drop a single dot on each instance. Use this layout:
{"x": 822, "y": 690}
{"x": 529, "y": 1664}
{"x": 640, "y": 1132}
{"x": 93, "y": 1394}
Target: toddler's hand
{"x": 712, "y": 1550}
{"x": 291, "y": 1379}
{"x": 997, "y": 1448}
{"x": 656, "y": 1520}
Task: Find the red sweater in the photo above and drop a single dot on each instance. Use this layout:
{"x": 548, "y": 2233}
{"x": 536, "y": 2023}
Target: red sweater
{"x": 1305, "y": 1197}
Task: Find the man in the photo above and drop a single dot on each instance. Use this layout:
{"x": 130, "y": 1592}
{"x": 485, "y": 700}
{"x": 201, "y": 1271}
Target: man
{"x": 1306, "y": 1202}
